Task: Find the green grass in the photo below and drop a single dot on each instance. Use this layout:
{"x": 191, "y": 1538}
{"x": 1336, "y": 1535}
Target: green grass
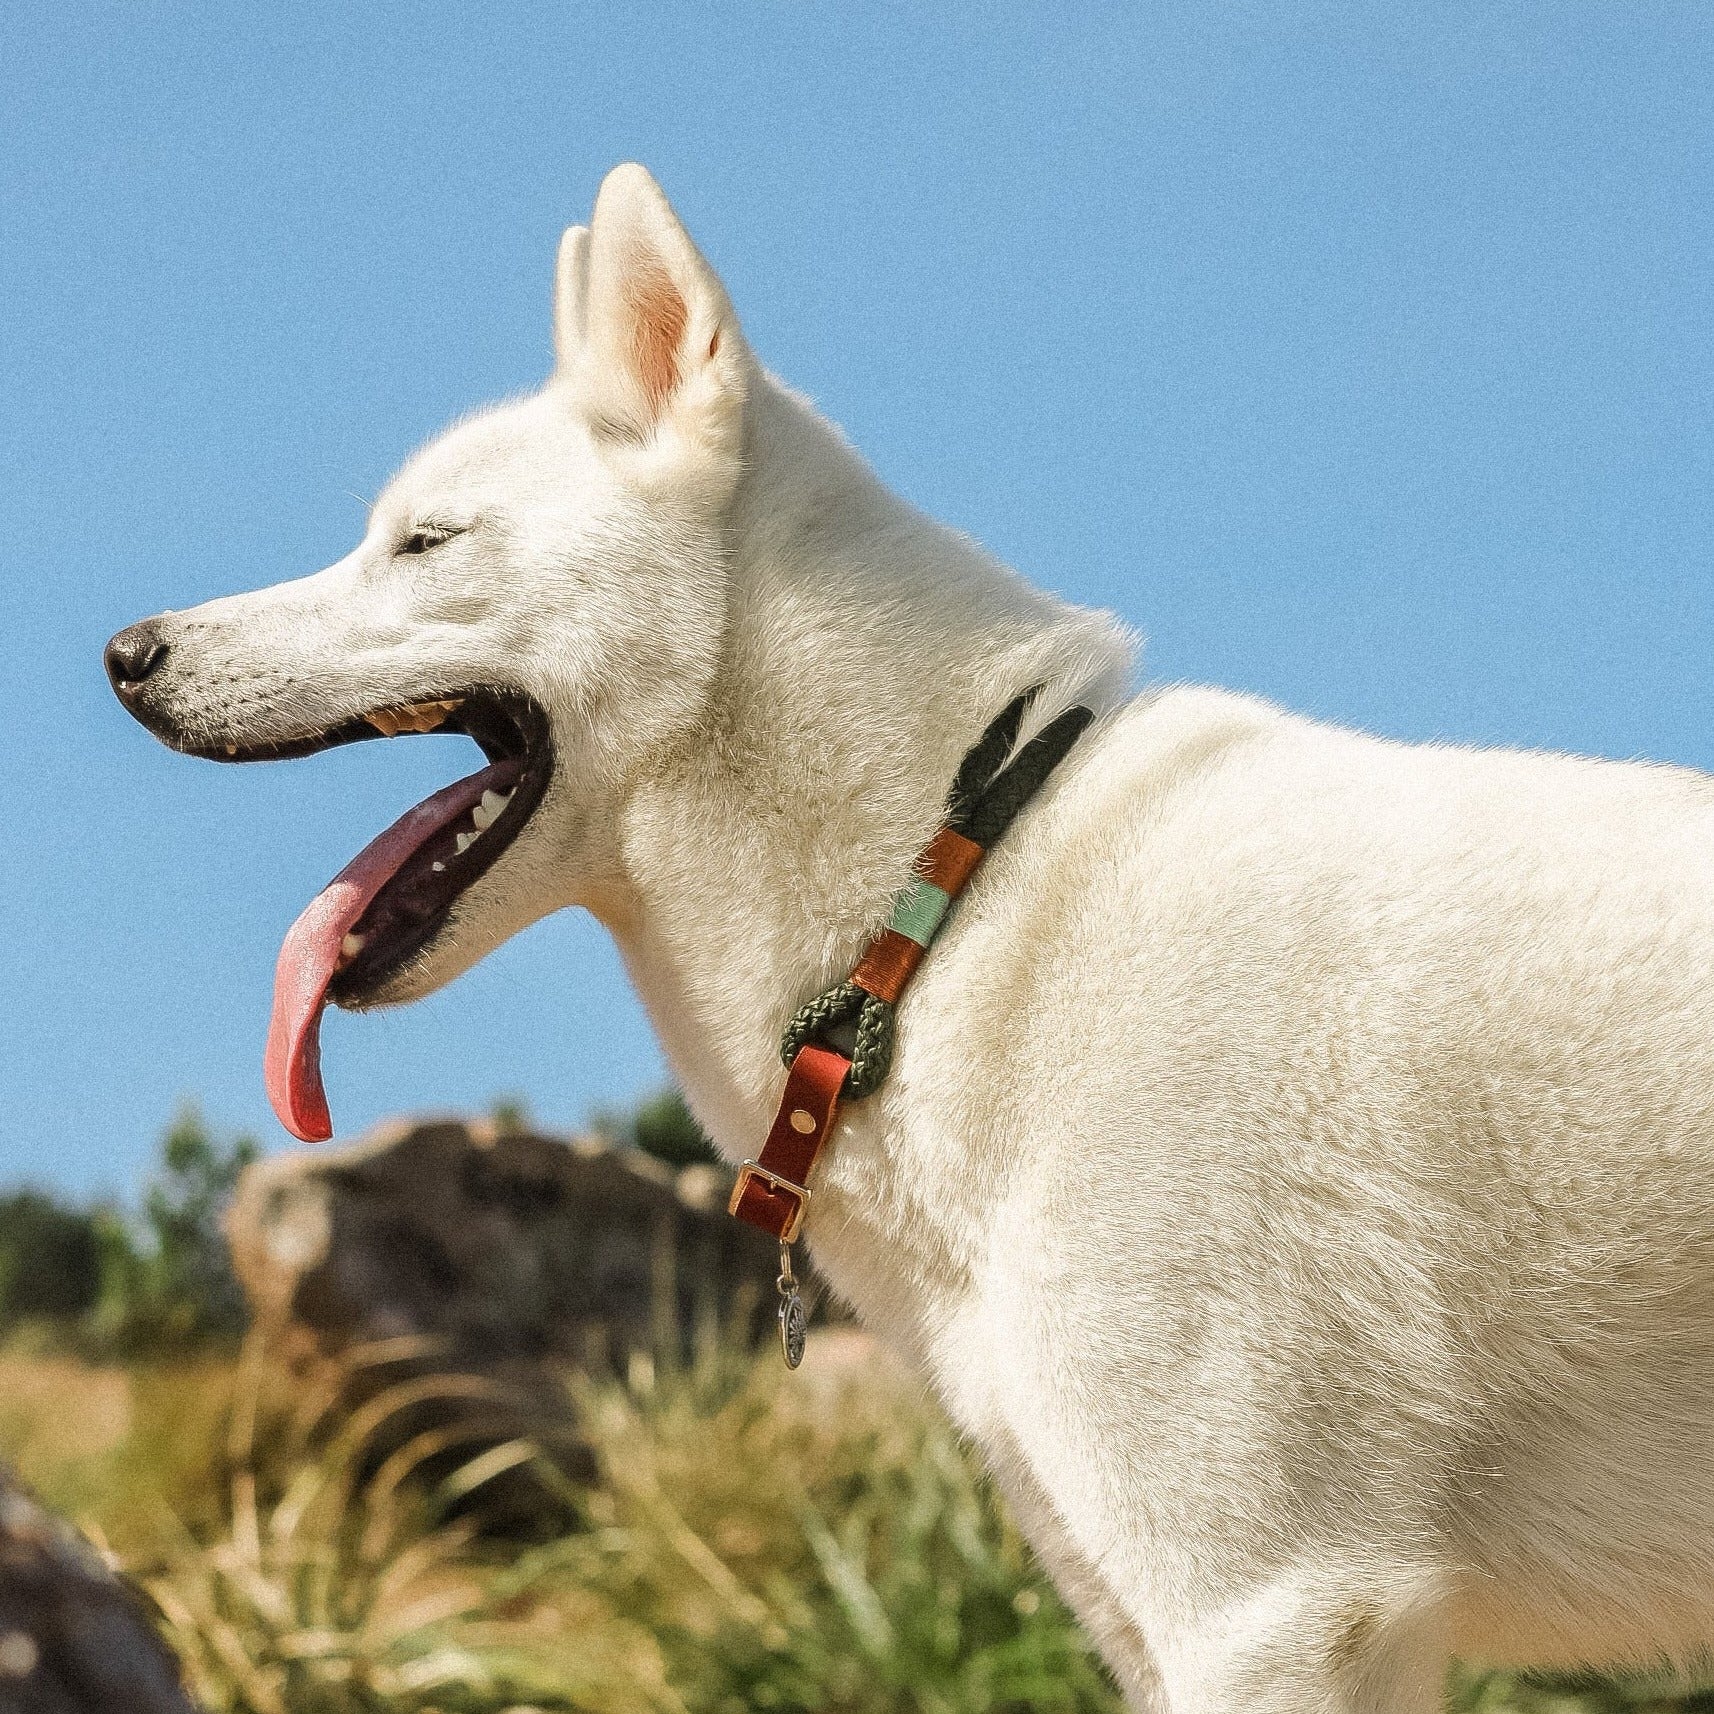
{"x": 825, "y": 1547}
{"x": 1523, "y": 1693}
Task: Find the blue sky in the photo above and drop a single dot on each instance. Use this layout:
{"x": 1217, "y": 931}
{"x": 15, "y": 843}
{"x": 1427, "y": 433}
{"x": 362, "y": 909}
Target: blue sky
{"x": 1362, "y": 357}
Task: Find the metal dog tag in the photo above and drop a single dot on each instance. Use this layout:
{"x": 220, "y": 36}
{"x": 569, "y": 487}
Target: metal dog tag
{"x": 794, "y": 1318}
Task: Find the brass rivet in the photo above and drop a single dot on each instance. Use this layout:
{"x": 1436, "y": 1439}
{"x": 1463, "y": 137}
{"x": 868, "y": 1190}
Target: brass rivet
{"x": 803, "y": 1121}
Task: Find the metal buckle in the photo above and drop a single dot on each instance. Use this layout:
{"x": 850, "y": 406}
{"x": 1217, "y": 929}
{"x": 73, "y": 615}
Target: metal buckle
{"x": 774, "y": 1182}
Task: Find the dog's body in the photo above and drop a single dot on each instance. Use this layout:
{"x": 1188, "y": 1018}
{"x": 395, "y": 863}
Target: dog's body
{"x": 1297, "y": 1168}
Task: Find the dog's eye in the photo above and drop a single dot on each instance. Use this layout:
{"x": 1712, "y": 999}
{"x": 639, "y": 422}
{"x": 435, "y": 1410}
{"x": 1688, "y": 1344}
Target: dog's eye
{"x": 420, "y": 541}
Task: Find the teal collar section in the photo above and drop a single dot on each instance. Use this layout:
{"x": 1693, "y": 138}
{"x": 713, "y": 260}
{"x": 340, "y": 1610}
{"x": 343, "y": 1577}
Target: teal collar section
{"x": 918, "y": 910}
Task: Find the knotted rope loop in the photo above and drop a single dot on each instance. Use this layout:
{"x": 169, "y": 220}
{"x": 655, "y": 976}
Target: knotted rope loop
{"x": 855, "y": 1023}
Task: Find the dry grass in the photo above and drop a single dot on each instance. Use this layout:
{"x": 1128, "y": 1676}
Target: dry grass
{"x": 117, "y": 1448}
{"x": 751, "y": 1543}
{"x": 339, "y": 1584}
{"x": 59, "y": 1415}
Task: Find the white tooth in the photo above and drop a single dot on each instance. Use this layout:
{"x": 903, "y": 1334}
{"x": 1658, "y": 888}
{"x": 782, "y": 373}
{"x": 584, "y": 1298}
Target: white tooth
{"x": 464, "y": 841}
{"x": 352, "y": 944}
{"x": 438, "y": 868}
{"x": 491, "y": 808}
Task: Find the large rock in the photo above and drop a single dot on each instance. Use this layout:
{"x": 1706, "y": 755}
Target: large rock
{"x": 74, "y": 1638}
{"x": 507, "y": 1251}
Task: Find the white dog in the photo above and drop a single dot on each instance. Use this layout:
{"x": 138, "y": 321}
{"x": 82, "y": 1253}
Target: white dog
{"x": 1297, "y": 1168}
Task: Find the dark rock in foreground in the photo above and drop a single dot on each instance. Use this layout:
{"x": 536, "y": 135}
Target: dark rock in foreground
{"x": 74, "y": 1637}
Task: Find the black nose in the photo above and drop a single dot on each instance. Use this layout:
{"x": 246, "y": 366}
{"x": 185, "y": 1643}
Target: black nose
{"x": 133, "y": 655}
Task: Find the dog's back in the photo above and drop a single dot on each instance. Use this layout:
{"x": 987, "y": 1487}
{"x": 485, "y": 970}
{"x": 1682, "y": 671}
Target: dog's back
{"x": 1349, "y": 1126}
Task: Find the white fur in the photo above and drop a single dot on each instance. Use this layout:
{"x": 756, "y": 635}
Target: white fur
{"x": 1297, "y": 1171}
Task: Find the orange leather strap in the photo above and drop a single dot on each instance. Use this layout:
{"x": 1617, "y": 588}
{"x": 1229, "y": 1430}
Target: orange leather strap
{"x": 772, "y": 1190}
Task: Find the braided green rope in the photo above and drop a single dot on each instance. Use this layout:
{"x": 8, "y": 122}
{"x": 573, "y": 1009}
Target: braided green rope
{"x": 983, "y": 801}
{"x": 871, "y": 1038}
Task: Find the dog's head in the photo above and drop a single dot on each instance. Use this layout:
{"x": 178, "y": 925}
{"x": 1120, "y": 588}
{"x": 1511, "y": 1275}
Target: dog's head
{"x": 548, "y": 577}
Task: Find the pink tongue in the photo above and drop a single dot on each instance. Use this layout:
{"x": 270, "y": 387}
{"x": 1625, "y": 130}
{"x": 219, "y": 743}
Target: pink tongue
{"x": 310, "y": 954}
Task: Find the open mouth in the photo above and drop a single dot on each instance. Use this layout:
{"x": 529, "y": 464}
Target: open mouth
{"x": 392, "y": 899}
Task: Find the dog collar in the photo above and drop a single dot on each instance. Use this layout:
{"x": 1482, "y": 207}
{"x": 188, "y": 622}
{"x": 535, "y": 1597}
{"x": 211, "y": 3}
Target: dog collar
{"x": 839, "y": 1046}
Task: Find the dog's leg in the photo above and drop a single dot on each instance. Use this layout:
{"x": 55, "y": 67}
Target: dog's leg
{"x": 1289, "y": 1649}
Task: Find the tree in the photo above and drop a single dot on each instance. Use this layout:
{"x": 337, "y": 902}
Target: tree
{"x": 662, "y": 1126}
{"x": 511, "y": 1115}
{"x": 50, "y": 1259}
{"x": 192, "y": 1290}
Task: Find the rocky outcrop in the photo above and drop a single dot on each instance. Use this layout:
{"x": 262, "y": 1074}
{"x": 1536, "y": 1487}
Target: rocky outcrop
{"x": 74, "y": 1637}
{"x": 504, "y": 1250}
{"x": 437, "y": 1280}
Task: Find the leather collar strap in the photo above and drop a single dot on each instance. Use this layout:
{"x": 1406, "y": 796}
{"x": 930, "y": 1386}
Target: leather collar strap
{"x": 772, "y": 1191}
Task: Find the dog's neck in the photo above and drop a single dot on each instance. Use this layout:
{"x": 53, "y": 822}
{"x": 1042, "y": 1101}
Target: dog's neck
{"x": 866, "y": 649}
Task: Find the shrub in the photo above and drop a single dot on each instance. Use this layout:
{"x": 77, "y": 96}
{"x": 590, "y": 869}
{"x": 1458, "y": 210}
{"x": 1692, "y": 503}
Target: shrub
{"x": 752, "y": 1541}
{"x": 660, "y": 1125}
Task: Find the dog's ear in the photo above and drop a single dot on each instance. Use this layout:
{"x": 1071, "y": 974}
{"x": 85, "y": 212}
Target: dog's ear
{"x": 570, "y": 285}
{"x": 645, "y": 333}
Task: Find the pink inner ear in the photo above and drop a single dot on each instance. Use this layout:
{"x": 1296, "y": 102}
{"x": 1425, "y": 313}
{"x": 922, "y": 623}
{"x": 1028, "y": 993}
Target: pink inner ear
{"x": 659, "y": 317}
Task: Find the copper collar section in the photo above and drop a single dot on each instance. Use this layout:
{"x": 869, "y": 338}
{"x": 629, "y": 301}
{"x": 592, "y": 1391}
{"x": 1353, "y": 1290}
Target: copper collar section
{"x": 948, "y": 861}
{"x": 887, "y": 965}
